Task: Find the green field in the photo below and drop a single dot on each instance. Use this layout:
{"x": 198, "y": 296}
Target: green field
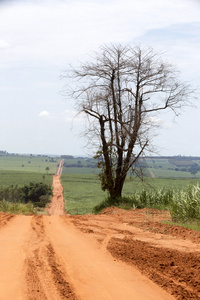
{"x": 82, "y": 188}
{"x": 20, "y": 178}
{"x": 23, "y": 169}
{"x": 20, "y": 170}
{"x": 28, "y": 163}
{"x": 164, "y": 173}
{"x": 162, "y": 167}
{"x": 174, "y": 167}
{"x": 83, "y": 191}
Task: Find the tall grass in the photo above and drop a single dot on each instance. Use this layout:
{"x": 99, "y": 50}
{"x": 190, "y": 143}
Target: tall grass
{"x": 184, "y": 204}
{"x": 17, "y": 208}
{"x": 159, "y": 198}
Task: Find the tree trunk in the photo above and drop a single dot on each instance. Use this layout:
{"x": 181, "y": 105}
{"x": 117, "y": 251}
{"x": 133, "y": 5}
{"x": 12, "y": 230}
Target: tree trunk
{"x": 117, "y": 191}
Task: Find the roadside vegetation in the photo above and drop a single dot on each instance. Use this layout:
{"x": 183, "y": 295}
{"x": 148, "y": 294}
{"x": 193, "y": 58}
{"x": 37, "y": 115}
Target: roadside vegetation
{"x": 26, "y": 199}
{"x": 17, "y": 208}
{"x": 25, "y": 186}
{"x": 183, "y": 204}
{"x": 20, "y": 190}
{"x": 181, "y": 197}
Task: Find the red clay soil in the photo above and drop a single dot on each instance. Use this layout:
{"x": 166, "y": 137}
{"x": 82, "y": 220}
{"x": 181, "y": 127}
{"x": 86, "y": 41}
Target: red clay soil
{"x": 116, "y": 255}
{"x": 5, "y": 218}
{"x": 57, "y": 204}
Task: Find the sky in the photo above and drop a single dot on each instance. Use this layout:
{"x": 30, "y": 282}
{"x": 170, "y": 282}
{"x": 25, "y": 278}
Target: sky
{"x": 40, "y": 38}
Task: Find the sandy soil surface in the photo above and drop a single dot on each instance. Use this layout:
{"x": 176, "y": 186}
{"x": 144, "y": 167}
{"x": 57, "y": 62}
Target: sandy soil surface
{"x": 57, "y": 204}
{"x": 118, "y": 255}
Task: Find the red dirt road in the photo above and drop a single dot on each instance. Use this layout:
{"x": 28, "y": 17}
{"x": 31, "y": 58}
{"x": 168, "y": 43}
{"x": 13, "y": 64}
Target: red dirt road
{"x": 117, "y": 255}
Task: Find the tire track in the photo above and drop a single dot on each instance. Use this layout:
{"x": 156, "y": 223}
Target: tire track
{"x": 57, "y": 205}
{"x": 5, "y": 218}
{"x": 45, "y": 277}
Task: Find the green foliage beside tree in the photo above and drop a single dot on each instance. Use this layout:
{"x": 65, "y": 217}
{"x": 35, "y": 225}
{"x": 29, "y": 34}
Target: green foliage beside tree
{"x": 183, "y": 204}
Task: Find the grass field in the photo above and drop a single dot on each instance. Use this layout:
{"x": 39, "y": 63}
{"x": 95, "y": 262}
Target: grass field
{"x": 164, "y": 173}
{"x": 23, "y": 169}
{"x": 83, "y": 191}
{"x": 83, "y": 170}
{"x": 174, "y": 167}
{"x": 82, "y": 188}
{"x": 20, "y": 178}
{"x": 28, "y": 163}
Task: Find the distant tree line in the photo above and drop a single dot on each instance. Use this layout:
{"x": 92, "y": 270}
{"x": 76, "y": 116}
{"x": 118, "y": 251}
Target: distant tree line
{"x": 80, "y": 164}
{"x": 67, "y": 157}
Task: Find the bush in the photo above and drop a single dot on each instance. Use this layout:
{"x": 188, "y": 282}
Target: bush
{"x": 11, "y": 193}
{"x": 35, "y": 191}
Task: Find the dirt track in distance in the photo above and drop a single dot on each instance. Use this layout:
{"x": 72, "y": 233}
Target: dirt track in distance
{"x": 118, "y": 255}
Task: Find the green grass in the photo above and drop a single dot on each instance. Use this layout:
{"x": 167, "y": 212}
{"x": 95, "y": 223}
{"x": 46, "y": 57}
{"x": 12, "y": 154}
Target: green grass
{"x": 82, "y": 188}
{"x": 28, "y": 163}
{"x": 17, "y": 208}
{"x": 82, "y": 192}
{"x": 191, "y": 224}
{"x": 173, "y": 174}
{"x": 20, "y": 178}
{"x": 13, "y": 174}
{"x": 158, "y": 163}
{"x": 83, "y": 170}
{"x": 135, "y": 184}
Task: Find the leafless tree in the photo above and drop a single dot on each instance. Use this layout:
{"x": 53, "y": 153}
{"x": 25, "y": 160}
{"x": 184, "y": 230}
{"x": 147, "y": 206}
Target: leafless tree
{"x": 121, "y": 90}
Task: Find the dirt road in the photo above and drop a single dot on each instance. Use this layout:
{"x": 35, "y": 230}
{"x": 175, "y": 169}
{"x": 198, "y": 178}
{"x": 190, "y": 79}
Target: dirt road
{"x": 117, "y": 255}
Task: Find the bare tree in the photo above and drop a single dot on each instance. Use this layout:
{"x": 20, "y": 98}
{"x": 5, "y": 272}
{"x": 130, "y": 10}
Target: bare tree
{"x": 121, "y": 91}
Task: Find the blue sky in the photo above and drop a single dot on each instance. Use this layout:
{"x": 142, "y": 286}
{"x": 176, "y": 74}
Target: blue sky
{"x": 38, "y": 39}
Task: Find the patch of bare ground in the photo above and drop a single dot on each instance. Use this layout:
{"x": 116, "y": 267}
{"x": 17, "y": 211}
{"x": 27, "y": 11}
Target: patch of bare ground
{"x": 57, "y": 205}
{"x": 5, "y": 218}
{"x": 168, "y": 255}
{"x": 45, "y": 276}
{"x": 176, "y": 272}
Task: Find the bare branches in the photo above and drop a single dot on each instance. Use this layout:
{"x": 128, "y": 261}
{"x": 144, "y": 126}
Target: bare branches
{"x": 120, "y": 88}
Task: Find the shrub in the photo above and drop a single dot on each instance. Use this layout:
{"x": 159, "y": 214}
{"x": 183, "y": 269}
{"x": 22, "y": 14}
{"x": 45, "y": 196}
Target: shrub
{"x": 34, "y": 191}
{"x": 11, "y": 193}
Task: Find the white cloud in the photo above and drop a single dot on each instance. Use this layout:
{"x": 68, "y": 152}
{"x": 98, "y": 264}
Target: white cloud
{"x": 44, "y": 113}
{"x": 72, "y": 28}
